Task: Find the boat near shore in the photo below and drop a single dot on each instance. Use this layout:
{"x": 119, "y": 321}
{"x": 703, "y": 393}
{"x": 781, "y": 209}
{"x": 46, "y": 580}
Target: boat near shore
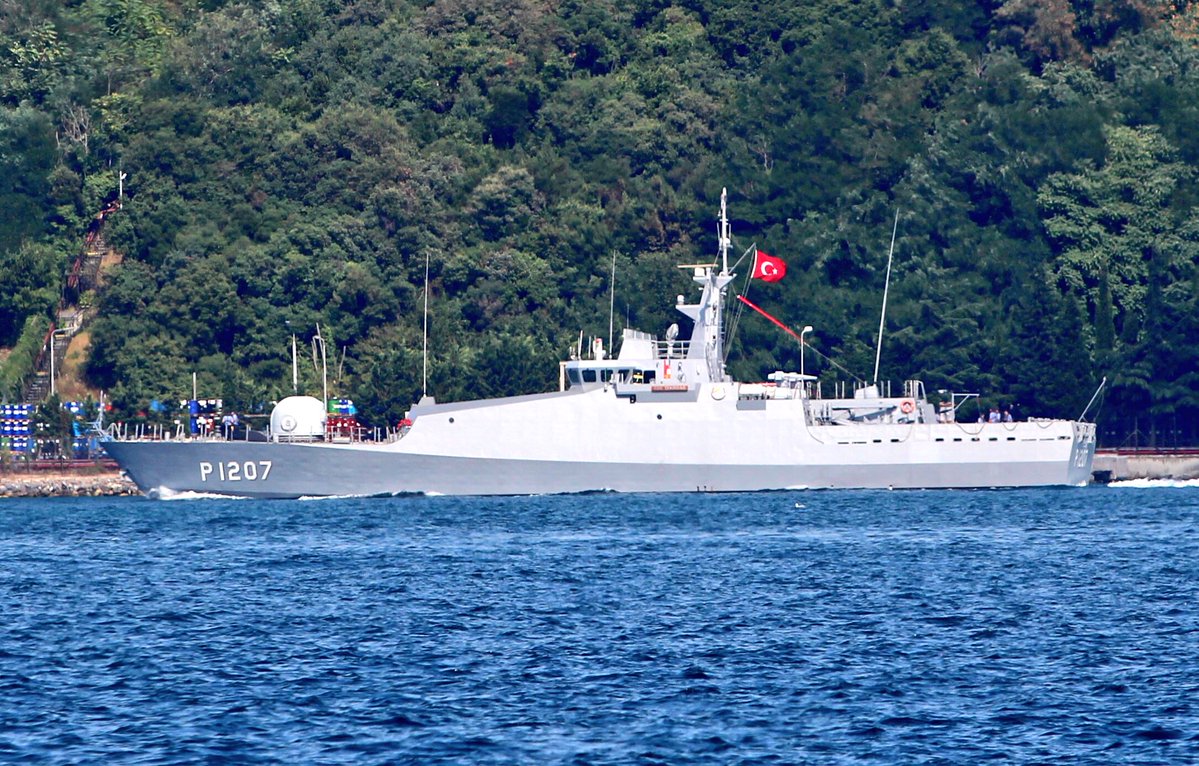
{"x": 662, "y": 415}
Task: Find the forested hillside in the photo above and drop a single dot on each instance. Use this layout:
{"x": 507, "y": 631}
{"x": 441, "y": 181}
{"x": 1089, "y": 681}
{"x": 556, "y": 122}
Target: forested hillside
{"x": 294, "y": 162}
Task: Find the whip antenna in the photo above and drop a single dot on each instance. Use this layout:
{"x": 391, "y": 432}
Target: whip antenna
{"x": 1094, "y": 396}
{"x": 886, "y": 287}
{"x": 424, "y": 374}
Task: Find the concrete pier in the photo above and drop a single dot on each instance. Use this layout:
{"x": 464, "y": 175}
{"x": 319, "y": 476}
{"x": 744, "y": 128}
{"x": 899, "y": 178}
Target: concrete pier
{"x": 1120, "y": 465}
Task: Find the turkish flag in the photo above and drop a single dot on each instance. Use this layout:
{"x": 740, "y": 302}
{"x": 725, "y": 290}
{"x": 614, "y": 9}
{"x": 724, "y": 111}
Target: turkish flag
{"x": 768, "y": 268}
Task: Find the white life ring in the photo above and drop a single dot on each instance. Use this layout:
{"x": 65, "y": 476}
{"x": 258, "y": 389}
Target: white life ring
{"x": 287, "y": 423}
{"x": 907, "y": 405}
{"x": 717, "y": 392}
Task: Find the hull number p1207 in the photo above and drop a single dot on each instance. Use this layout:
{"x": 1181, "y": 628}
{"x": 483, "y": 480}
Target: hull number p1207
{"x": 232, "y": 470}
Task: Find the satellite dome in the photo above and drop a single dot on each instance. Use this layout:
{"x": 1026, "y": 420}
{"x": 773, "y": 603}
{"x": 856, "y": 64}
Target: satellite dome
{"x": 298, "y": 418}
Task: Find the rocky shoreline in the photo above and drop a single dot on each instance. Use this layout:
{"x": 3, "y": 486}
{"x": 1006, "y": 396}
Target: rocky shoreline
{"x": 65, "y": 484}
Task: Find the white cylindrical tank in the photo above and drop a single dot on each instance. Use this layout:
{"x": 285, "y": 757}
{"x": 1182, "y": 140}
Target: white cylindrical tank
{"x": 298, "y": 418}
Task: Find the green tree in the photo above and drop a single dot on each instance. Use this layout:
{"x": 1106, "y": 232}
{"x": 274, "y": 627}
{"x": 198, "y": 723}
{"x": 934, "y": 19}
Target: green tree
{"x": 137, "y": 32}
{"x": 54, "y": 425}
{"x": 27, "y": 159}
{"x": 1049, "y": 333}
{"x": 1107, "y": 220}
{"x": 387, "y": 369}
{"x": 31, "y": 284}
{"x": 507, "y": 365}
{"x": 33, "y": 59}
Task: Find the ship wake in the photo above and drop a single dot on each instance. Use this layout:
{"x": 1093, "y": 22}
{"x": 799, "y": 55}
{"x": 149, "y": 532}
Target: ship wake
{"x": 1152, "y": 483}
{"x": 165, "y": 493}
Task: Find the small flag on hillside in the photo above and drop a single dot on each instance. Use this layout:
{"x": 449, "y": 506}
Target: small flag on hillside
{"x": 768, "y": 268}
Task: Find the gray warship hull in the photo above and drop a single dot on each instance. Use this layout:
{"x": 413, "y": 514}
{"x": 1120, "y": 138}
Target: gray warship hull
{"x": 162, "y": 470}
{"x": 606, "y": 440}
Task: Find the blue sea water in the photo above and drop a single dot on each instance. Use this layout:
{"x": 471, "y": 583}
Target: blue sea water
{"x": 1046, "y": 626}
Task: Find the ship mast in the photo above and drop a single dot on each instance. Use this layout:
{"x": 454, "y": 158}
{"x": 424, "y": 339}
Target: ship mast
{"x": 705, "y": 351}
{"x": 712, "y": 303}
{"x": 725, "y": 240}
{"x": 714, "y": 347}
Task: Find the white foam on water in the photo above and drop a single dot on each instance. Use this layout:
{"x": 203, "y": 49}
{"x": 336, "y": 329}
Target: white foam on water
{"x": 352, "y": 496}
{"x": 1150, "y": 483}
{"x": 162, "y": 493}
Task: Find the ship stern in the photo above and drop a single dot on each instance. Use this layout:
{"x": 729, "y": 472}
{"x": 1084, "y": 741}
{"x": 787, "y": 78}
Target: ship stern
{"x": 1082, "y": 454}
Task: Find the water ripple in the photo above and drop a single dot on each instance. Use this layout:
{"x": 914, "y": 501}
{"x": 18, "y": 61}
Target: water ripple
{"x": 895, "y": 627}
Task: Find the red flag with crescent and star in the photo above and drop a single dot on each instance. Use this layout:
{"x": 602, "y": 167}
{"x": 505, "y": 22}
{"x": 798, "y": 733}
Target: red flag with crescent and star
{"x": 768, "y": 268}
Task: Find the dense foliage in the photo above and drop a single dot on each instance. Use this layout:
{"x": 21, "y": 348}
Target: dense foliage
{"x": 20, "y": 363}
{"x": 294, "y": 164}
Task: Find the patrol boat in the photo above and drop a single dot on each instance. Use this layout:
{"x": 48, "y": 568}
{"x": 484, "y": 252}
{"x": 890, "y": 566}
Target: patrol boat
{"x": 663, "y": 415}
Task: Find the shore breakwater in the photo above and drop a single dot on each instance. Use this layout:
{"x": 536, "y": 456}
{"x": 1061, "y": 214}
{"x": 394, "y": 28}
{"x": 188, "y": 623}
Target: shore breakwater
{"x": 64, "y": 484}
